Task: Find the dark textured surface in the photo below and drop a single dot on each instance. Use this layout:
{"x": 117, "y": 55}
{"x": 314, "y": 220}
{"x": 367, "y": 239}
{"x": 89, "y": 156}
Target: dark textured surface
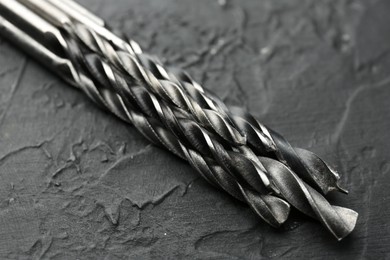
{"x": 77, "y": 182}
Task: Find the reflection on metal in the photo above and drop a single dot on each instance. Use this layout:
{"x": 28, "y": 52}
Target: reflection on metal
{"x": 227, "y": 146}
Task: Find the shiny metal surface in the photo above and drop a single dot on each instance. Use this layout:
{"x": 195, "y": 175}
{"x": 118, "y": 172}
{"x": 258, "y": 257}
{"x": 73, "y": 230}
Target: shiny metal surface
{"x": 227, "y": 146}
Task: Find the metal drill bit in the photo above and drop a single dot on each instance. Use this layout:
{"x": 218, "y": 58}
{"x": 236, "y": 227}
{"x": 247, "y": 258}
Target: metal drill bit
{"x": 338, "y": 220}
{"x": 264, "y": 141}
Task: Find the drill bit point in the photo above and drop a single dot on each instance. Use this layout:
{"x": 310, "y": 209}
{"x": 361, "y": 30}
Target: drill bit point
{"x": 341, "y": 189}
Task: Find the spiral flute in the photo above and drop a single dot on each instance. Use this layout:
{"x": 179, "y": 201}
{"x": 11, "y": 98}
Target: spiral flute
{"x": 229, "y": 147}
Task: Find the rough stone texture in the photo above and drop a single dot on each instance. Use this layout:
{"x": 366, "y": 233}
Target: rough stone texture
{"x": 76, "y": 182}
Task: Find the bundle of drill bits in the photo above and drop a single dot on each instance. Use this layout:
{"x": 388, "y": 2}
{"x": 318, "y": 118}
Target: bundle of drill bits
{"x": 227, "y": 146}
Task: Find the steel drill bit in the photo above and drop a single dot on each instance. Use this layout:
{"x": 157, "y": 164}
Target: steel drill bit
{"x": 110, "y": 89}
{"x": 311, "y": 167}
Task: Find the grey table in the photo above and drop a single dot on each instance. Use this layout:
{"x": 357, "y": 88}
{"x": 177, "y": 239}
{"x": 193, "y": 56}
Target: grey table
{"x": 76, "y": 182}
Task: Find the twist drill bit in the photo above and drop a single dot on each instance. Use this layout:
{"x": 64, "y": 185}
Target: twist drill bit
{"x": 338, "y": 220}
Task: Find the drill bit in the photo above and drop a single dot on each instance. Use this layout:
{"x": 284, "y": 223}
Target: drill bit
{"x": 229, "y": 165}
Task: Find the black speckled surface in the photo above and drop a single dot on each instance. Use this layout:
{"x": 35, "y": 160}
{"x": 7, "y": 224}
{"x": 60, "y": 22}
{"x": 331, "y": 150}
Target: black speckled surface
{"x": 75, "y": 182}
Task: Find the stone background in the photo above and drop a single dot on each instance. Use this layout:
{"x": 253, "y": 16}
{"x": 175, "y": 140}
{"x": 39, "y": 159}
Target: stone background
{"x": 75, "y": 182}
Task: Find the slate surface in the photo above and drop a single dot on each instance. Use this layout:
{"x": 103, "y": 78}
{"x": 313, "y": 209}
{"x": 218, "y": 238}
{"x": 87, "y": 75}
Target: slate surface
{"x": 76, "y": 182}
